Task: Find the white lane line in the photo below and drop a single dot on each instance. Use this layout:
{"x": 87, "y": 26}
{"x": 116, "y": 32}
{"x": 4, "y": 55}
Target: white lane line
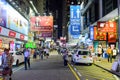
{"x": 77, "y": 71}
{"x": 116, "y": 78}
{"x": 79, "y": 74}
{"x": 18, "y": 69}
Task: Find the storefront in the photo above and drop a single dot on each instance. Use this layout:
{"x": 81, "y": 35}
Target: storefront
{"x": 6, "y": 42}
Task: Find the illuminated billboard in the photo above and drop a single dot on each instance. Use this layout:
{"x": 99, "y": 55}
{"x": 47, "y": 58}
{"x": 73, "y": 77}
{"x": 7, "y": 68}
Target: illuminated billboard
{"x": 41, "y": 23}
{"x": 16, "y": 21}
{"x": 106, "y": 26}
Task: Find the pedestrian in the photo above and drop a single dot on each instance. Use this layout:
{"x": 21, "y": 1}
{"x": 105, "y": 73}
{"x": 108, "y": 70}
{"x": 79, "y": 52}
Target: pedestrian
{"x": 7, "y": 61}
{"x": 41, "y": 53}
{"x": 35, "y": 54}
{"x": 65, "y": 57}
{"x": 114, "y": 53}
{"x": 109, "y": 52}
{"x": 27, "y": 58}
{"x": 46, "y": 52}
{"x": 99, "y": 53}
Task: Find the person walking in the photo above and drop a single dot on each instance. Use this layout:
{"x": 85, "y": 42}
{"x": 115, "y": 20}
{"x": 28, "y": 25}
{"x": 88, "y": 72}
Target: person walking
{"x": 27, "y": 58}
{"x": 41, "y": 53}
{"x": 109, "y": 52}
{"x": 65, "y": 57}
{"x": 114, "y": 53}
{"x": 7, "y": 61}
{"x": 99, "y": 53}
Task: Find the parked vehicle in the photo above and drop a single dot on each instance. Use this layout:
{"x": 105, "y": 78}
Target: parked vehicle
{"x": 18, "y": 57}
{"x": 82, "y": 56}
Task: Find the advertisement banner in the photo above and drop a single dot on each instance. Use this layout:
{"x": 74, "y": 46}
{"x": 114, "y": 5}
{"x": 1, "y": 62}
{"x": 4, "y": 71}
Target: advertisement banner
{"x": 112, "y": 37}
{"x": 45, "y": 34}
{"x": 75, "y": 19}
{"x": 16, "y": 21}
{"x": 107, "y": 26}
{"x": 91, "y": 29}
{"x": 41, "y": 23}
{"x": 3, "y": 13}
{"x": 101, "y": 36}
{"x": 95, "y": 33}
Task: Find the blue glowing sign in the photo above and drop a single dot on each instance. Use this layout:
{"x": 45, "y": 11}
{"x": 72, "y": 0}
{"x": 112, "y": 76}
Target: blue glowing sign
{"x": 75, "y": 20}
{"x": 91, "y": 29}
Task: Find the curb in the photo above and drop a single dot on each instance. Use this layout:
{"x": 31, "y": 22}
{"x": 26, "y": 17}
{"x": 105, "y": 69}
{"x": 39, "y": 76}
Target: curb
{"x": 107, "y": 70}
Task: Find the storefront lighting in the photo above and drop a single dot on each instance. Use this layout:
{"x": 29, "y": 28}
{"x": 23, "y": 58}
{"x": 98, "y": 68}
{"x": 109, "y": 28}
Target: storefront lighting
{"x": 13, "y": 3}
{"x": 110, "y": 20}
{"x": 50, "y": 14}
{"x": 113, "y": 19}
{"x": 44, "y": 14}
{"x": 10, "y": 0}
{"x": 16, "y": 6}
{"x": 116, "y": 18}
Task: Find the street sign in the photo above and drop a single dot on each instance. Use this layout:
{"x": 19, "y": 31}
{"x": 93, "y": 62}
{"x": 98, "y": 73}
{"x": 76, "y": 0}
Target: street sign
{"x": 91, "y": 29}
{"x": 75, "y": 21}
{"x": 75, "y": 30}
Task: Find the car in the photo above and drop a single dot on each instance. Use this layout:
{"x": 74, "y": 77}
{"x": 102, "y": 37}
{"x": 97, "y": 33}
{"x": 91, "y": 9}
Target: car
{"x": 18, "y": 57}
{"x": 82, "y": 56}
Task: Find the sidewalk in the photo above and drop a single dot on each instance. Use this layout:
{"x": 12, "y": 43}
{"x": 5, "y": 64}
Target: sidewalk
{"x": 106, "y": 65}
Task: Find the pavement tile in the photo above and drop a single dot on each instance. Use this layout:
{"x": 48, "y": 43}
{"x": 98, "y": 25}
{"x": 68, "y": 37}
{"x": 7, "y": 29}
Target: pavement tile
{"x": 106, "y": 65}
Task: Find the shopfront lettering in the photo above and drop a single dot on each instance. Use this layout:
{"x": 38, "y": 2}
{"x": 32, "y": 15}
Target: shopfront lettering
{"x": 22, "y": 37}
{"x": 12, "y": 34}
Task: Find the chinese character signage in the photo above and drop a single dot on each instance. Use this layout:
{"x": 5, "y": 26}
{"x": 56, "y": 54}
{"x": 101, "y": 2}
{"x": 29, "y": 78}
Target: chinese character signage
{"x": 106, "y": 26}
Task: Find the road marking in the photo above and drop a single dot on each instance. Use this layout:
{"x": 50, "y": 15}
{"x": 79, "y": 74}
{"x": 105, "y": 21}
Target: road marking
{"x": 79, "y": 73}
{"x": 18, "y": 69}
{"x": 75, "y": 74}
{"x": 116, "y": 77}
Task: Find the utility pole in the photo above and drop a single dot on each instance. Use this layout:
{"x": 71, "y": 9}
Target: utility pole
{"x": 119, "y": 25}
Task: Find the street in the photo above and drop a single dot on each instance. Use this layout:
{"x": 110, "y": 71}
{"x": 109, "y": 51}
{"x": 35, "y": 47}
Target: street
{"x": 53, "y": 69}
{"x": 47, "y": 69}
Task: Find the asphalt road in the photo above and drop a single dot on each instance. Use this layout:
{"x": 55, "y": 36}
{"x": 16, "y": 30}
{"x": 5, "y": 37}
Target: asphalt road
{"x": 53, "y": 69}
{"x": 47, "y": 69}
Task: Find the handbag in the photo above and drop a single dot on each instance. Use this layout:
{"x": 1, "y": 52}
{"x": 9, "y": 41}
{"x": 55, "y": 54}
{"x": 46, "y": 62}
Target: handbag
{"x": 5, "y": 71}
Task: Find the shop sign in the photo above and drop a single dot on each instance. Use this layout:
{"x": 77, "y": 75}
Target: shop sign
{"x": 91, "y": 32}
{"x": 45, "y": 34}
{"x": 75, "y": 21}
{"x": 41, "y": 23}
{"x": 112, "y": 37}
{"x": 0, "y": 43}
{"x": 99, "y": 35}
{"x": 12, "y": 34}
{"x": 21, "y": 36}
{"x": 95, "y": 33}
{"x": 11, "y": 42}
{"x": 0, "y": 29}
{"x": 106, "y": 26}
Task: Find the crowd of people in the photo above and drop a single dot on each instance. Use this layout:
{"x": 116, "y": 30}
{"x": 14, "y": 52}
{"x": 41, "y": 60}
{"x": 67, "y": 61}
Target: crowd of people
{"x": 8, "y": 59}
{"x": 110, "y": 53}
